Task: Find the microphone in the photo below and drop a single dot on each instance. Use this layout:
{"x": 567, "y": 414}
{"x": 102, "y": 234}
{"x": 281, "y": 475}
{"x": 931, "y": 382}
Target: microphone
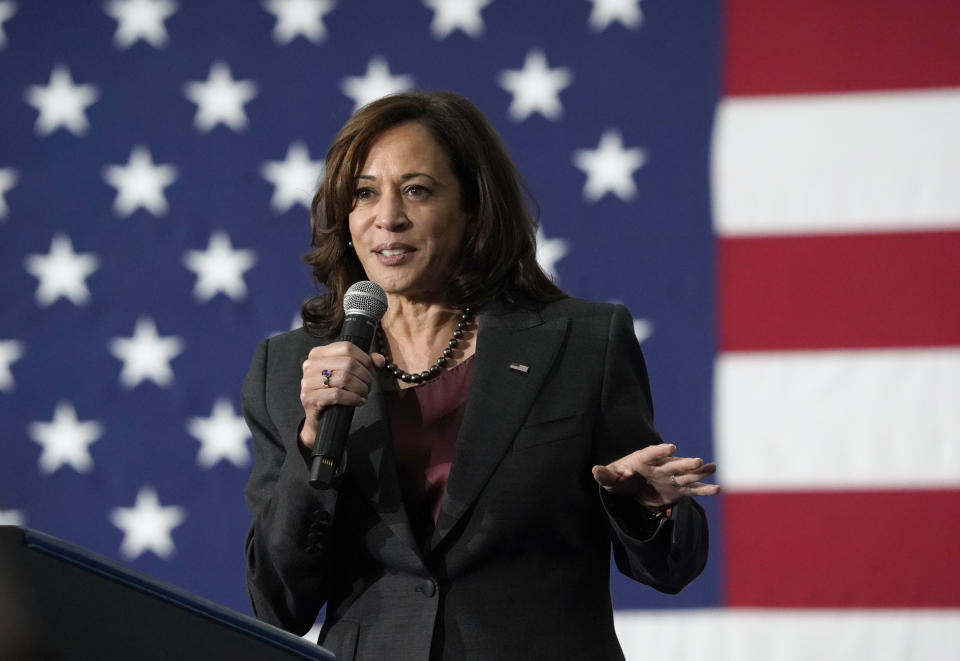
{"x": 364, "y": 305}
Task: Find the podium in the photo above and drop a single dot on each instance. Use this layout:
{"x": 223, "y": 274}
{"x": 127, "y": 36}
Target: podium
{"x": 58, "y": 601}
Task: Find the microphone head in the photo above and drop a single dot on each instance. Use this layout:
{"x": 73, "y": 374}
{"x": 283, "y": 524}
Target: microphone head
{"x": 365, "y": 298}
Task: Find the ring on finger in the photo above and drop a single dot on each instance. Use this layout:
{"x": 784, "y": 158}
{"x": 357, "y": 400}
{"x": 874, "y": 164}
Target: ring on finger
{"x": 674, "y": 483}
{"x": 325, "y": 380}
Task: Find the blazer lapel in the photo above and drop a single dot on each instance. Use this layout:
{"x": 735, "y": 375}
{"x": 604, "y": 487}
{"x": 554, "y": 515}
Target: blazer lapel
{"x": 514, "y": 354}
{"x": 372, "y": 466}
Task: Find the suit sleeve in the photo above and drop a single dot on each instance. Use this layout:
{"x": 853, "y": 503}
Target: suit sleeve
{"x": 672, "y": 552}
{"x": 288, "y": 536}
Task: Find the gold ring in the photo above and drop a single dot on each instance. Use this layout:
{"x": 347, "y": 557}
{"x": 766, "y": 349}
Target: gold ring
{"x": 673, "y": 481}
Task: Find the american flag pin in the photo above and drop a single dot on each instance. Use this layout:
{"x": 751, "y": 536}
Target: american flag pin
{"x": 519, "y": 367}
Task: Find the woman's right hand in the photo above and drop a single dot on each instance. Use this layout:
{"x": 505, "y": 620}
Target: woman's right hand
{"x": 336, "y": 373}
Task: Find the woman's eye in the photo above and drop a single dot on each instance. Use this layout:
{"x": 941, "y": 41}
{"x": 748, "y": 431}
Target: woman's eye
{"x": 417, "y": 191}
{"x": 363, "y": 193}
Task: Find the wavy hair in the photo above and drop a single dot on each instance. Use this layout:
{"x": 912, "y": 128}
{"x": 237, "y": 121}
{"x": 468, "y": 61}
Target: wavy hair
{"x": 498, "y": 258}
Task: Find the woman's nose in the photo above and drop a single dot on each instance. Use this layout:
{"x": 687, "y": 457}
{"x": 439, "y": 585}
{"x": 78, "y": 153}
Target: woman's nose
{"x": 390, "y": 213}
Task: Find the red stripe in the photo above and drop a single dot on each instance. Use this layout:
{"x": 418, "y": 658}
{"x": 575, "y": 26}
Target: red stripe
{"x": 839, "y": 291}
{"x": 848, "y": 549}
{"x": 791, "y": 46}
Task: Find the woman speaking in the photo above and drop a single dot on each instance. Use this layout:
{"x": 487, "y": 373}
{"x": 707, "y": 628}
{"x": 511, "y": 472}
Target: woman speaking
{"x": 503, "y": 432}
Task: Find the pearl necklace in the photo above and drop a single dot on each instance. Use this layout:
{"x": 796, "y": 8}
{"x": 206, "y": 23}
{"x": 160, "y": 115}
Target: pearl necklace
{"x": 466, "y": 317}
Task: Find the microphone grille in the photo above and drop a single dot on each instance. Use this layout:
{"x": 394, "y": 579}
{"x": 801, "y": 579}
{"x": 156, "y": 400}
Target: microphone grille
{"x": 366, "y": 298}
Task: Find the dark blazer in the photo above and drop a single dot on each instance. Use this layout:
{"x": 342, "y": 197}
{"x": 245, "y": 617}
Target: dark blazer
{"x": 518, "y": 565}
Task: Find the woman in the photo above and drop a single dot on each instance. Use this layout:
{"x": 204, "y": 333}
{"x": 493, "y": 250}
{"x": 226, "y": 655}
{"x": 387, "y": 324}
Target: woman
{"x": 476, "y": 512}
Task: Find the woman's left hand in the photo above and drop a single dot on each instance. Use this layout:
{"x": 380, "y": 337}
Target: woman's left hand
{"x": 656, "y": 477}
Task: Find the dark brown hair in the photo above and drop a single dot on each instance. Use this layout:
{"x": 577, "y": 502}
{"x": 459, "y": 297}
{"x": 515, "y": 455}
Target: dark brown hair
{"x": 498, "y": 258}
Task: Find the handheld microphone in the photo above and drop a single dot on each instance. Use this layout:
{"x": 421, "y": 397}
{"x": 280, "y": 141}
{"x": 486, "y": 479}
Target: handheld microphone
{"x": 364, "y": 305}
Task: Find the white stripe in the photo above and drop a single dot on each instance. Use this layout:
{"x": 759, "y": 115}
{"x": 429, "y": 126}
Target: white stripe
{"x": 841, "y": 419}
{"x": 789, "y": 635}
{"x": 877, "y": 161}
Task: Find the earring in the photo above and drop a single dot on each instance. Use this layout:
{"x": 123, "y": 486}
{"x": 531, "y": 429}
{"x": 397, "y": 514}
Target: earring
{"x": 349, "y": 244}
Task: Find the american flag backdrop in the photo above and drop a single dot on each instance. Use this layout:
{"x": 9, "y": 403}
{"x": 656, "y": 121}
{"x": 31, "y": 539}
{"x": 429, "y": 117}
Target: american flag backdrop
{"x": 772, "y": 187}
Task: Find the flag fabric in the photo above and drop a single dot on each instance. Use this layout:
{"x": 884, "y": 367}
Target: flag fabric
{"x": 835, "y": 163}
{"x": 769, "y": 186}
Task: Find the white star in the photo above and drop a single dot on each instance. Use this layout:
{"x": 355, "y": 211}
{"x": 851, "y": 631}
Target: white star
{"x": 61, "y": 272}
{"x": 606, "y": 12}
{"x": 65, "y": 440}
{"x": 375, "y": 83}
{"x": 146, "y": 355}
{"x": 609, "y": 167}
{"x": 8, "y": 179}
{"x": 450, "y": 15}
{"x": 220, "y": 99}
{"x": 222, "y": 436}
{"x": 549, "y": 252}
{"x": 140, "y": 19}
{"x": 535, "y": 88}
{"x": 61, "y": 103}
{"x": 299, "y": 17}
{"x": 642, "y": 328}
{"x": 10, "y": 352}
{"x": 219, "y": 268}
{"x": 12, "y": 518}
{"x": 140, "y": 183}
{"x": 147, "y": 526}
{"x": 294, "y": 179}
{"x": 7, "y": 9}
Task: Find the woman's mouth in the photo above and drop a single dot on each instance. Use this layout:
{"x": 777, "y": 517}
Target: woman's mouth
{"x": 393, "y": 254}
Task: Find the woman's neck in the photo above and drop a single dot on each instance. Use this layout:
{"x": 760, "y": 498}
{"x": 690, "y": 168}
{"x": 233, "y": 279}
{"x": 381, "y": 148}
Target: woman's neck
{"x": 417, "y": 333}
{"x": 408, "y": 319}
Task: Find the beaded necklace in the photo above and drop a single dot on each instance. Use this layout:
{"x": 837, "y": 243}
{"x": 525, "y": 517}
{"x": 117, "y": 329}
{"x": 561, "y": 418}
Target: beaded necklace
{"x": 466, "y": 318}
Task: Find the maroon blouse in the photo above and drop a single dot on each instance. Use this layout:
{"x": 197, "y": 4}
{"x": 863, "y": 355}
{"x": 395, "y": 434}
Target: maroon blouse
{"x": 425, "y": 421}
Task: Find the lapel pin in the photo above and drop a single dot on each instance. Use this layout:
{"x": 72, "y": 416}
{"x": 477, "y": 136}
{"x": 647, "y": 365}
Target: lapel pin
{"x": 519, "y": 368}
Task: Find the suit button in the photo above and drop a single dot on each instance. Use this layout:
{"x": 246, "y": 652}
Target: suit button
{"x": 317, "y": 516}
{"x": 428, "y": 588}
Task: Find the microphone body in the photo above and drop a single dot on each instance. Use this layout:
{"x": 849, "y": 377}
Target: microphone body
{"x": 364, "y": 305}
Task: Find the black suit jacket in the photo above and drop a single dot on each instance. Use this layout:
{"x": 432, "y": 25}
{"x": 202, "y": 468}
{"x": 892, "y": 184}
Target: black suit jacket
{"x": 518, "y": 565}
